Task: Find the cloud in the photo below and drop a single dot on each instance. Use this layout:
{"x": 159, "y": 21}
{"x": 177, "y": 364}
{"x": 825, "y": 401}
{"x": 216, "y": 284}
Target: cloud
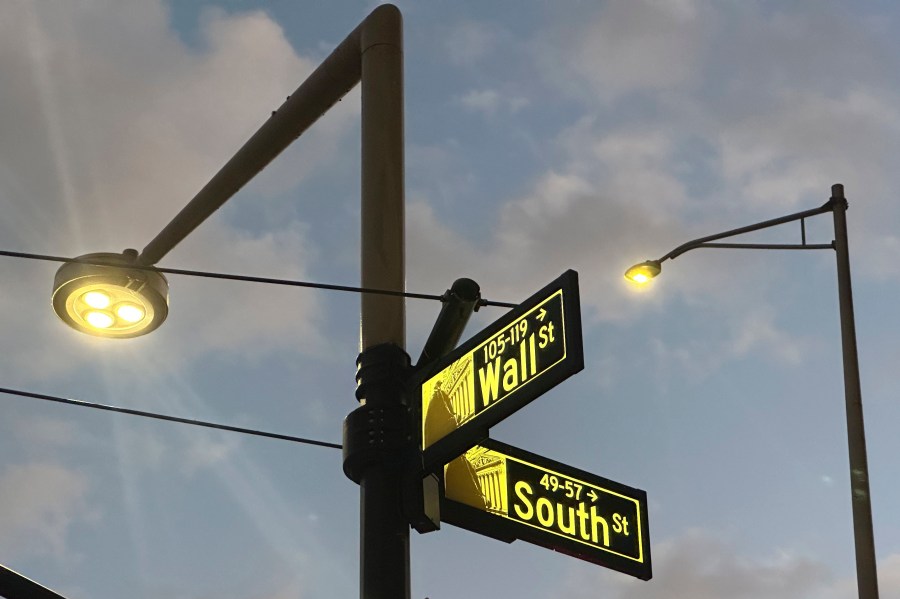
{"x": 700, "y": 566}
{"x": 756, "y": 87}
{"x": 889, "y": 575}
{"x": 207, "y": 452}
{"x": 191, "y": 451}
{"x": 627, "y": 46}
{"x": 783, "y": 155}
{"x": 758, "y": 331}
{"x": 707, "y": 147}
{"x": 490, "y": 101}
{"x": 110, "y": 124}
{"x": 43, "y": 433}
{"x": 585, "y": 215}
{"x": 468, "y": 42}
{"x": 39, "y": 503}
{"x": 733, "y": 338}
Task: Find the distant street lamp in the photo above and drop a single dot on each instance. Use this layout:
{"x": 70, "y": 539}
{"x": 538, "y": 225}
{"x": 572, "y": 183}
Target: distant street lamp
{"x": 866, "y": 573}
{"x": 643, "y": 272}
{"x": 122, "y": 295}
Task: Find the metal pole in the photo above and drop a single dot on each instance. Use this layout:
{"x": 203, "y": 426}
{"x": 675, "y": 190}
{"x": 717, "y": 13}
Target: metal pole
{"x": 15, "y": 586}
{"x": 383, "y": 318}
{"x": 384, "y": 531}
{"x": 372, "y": 54}
{"x": 458, "y": 304}
{"x": 866, "y": 572}
{"x": 331, "y": 80}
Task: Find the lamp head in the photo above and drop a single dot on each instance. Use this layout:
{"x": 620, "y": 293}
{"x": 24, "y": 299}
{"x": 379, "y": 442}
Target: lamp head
{"x": 643, "y": 272}
{"x": 106, "y": 296}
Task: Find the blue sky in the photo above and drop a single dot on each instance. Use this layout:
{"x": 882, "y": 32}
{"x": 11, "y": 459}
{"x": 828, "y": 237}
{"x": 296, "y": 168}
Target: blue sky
{"x": 540, "y": 136}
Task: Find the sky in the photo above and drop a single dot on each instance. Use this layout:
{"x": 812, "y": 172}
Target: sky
{"x": 540, "y": 136}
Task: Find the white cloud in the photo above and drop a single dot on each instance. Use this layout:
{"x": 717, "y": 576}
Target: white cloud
{"x": 206, "y": 452}
{"x": 490, "y": 101}
{"x": 889, "y": 575}
{"x": 700, "y": 566}
{"x": 628, "y": 46}
{"x": 757, "y": 84}
{"x": 883, "y": 257}
{"x": 39, "y": 503}
{"x": 633, "y": 165}
{"x": 757, "y": 331}
{"x": 612, "y": 203}
{"x": 111, "y": 124}
{"x": 43, "y": 432}
{"x": 778, "y": 133}
{"x": 805, "y": 141}
{"x": 735, "y": 336}
{"x": 468, "y": 42}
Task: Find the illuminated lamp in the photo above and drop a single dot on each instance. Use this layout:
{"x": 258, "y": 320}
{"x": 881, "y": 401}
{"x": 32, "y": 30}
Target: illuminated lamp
{"x": 643, "y": 272}
{"x": 105, "y": 295}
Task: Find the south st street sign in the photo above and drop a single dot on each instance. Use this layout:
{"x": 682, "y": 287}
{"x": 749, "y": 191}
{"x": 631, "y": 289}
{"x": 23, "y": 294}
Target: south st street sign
{"x": 509, "y": 364}
{"x": 507, "y": 493}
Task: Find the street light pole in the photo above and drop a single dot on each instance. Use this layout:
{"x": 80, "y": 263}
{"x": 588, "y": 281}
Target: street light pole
{"x": 866, "y": 568}
{"x": 861, "y": 502}
{"x": 384, "y": 530}
{"x": 377, "y": 440}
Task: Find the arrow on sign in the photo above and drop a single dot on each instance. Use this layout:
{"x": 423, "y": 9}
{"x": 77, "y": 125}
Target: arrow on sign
{"x": 593, "y": 495}
{"x": 542, "y": 314}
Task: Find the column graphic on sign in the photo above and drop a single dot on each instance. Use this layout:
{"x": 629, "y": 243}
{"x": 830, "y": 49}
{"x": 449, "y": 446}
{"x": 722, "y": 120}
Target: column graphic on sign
{"x": 494, "y": 370}
{"x": 489, "y": 472}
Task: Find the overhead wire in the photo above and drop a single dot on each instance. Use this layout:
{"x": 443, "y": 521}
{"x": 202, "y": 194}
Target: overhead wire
{"x": 228, "y": 277}
{"x": 154, "y": 415}
{"x": 253, "y": 279}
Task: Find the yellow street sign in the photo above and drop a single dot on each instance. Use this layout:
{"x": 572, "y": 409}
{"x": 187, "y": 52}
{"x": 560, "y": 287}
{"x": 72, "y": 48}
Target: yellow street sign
{"x": 507, "y": 493}
{"x": 509, "y": 364}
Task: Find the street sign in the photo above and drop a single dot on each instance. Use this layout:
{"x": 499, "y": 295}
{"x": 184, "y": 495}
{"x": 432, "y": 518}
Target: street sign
{"x": 507, "y": 493}
{"x": 513, "y": 361}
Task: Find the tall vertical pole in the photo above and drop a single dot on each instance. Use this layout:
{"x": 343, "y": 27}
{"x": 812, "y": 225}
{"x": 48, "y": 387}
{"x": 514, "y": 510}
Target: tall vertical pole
{"x": 375, "y": 440}
{"x": 383, "y": 317}
{"x": 866, "y": 573}
{"x": 384, "y": 531}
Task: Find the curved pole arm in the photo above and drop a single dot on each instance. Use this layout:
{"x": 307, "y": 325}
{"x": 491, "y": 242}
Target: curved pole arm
{"x": 325, "y": 86}
{"x": 705, "y": 241}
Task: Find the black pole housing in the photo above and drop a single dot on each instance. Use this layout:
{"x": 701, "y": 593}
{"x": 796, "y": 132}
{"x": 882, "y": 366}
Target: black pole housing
{"x": 458, "y": 304}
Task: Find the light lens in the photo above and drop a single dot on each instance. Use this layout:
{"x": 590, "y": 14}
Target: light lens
{"x": 643, "y": 272}
{"x": 96, "y": 299}
{"x": 99, "y": 320}
{"x": 109, "y": 309}
{"x": 102, "y": 294}
{"x": 130, "y": 313}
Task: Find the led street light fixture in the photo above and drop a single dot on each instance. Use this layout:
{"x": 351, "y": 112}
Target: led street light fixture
{"x": 103, "y": 295}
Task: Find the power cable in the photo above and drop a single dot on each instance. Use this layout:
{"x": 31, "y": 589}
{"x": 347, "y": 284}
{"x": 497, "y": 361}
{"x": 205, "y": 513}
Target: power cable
{"x": 252, "y": 279}
{"x": 224, "y": 427}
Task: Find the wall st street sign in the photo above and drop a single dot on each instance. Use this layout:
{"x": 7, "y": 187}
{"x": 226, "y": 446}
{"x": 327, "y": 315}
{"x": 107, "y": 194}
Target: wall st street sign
{"x": 513, "y": 361}
{"x": 507, "y": 493}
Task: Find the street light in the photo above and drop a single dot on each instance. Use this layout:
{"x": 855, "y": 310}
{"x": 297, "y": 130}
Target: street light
{"x": 643, "y": 272}
{"x": 101, "y": 293}
{"x": 866, "y": 573}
